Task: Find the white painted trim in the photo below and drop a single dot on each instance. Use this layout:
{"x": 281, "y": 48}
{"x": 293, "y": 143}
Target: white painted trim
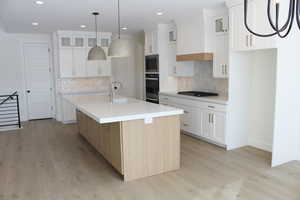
{"x": 232, "y": 3}
{"x": 10, "y": 129}
{"x": 260, "y": 144}
{"x": 204, "y": 139}
{"x": 69, "y": 122}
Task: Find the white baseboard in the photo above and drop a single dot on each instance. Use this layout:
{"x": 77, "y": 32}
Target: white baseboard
{"x": 10, "y": 129}
{"x": 260, "y": 145}
{"x": 69, "y": 122}
{"x": 204, "y": 139}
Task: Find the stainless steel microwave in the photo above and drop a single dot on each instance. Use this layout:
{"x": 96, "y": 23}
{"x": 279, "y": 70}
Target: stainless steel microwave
{"x": 152, "y": 63}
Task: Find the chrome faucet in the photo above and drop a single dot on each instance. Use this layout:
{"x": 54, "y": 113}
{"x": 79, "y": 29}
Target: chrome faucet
{"x": 114, "y": 87}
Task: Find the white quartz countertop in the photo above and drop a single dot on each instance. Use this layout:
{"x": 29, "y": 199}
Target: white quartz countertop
{"x": 211, "y": 99}
{"x": 84, "y": 92}
{"x": 102, "y": 110}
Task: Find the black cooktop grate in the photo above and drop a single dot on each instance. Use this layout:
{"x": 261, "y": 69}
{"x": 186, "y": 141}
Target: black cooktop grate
{"x": 198, "y": 93}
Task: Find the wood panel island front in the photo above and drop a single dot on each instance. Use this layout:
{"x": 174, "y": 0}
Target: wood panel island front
{"x": 137, "y": 138}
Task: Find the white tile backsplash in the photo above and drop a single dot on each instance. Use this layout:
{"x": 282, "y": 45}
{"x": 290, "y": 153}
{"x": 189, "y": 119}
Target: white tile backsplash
{"x": 83, "y": 85}
{"x": 203, "y": 80}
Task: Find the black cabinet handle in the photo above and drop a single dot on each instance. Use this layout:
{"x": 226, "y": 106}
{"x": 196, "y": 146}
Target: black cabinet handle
{"x": 28, "y": 91}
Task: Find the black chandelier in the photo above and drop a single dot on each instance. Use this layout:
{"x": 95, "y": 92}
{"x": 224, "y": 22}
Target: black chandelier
{"x": 282, "y": 32}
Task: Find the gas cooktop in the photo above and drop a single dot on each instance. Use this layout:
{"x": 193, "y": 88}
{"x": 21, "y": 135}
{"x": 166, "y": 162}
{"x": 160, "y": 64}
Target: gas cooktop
{"x": 198, "y": 93}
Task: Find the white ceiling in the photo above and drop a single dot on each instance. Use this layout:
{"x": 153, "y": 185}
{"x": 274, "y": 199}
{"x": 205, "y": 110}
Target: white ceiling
{"x": 17, "y": 15}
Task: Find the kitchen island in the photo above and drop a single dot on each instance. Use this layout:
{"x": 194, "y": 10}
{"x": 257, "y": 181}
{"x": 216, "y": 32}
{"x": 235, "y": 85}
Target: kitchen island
{"x": 137, "y": 138}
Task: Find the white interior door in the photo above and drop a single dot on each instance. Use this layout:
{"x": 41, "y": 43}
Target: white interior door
{"x": 38, "y": 81}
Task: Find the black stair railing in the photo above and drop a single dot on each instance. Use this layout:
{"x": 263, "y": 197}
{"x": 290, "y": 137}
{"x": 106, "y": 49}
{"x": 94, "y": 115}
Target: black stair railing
{"x": 10, "y": 110}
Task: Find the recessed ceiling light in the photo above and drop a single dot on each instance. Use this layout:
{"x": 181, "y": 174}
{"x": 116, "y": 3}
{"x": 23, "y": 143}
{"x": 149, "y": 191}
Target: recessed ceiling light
{"x": 124, "y": 28}
{"x": 82, "y": 26}
{"x": 39, "y": 2}
{"x": 35, "y": 23}
{"x": 159, "y": 13}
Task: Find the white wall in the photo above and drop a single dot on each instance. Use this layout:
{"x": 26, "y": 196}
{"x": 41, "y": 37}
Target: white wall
{"x": 12, "y": 65}
{"x": 238, "y": 114}
{"x": 286, "y": 143}
{"x": 262, "y": 98}
{"x": 2, "y": 30}
{"x": 252, "y": 84}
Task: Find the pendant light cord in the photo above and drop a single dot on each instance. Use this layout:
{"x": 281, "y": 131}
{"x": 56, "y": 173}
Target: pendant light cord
{"x": 96, "y": 26}
{"x": 119, "y": 24}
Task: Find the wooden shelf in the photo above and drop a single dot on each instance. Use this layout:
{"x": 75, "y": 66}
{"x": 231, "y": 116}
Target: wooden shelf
{"x": 195, "y": 56}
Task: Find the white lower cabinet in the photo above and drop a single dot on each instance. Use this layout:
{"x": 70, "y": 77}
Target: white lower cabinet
{"x": 219, "y": 126}
{"x": 191, "y": 119}
{"x": 220, "y": 67}
{"x": 205, "y": 120}
{"x": 207, "y": 126}
{"x": 214, "y": 126}
{"x": 68, "y": 112}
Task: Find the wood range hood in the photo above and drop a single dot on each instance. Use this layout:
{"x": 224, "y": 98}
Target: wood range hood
{"x": 195, "y": 57}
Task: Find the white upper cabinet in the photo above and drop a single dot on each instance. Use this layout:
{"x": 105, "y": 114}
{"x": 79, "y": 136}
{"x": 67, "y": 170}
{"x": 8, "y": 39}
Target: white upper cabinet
{"x": 178, "y": 69}
{"x": 220, "y": 24}
{"x": 91, "y": 41}
{"x": 173, "y": 34}
{"x": 79, "y": 62}
{"x": 220, "y": 62}
{"x": 65, "y": 41}
{"x": 190, "y": 36}
{"x": 98, "y": 67}
{"x": 79, "y": 41}
{"x": 66, "y": 62}
{"x": 240, "y": 38}
{"x": 73, "y": 51}
{"x": 262, "y": 25}
{"x": 151, "y": 43}
{"x": 193, "y": 35}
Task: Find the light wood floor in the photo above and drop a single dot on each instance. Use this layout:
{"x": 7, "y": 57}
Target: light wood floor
{"x": 50, "y": 161}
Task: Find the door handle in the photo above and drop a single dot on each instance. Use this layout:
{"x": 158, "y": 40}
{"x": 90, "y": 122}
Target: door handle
{"x": 212, "y": 118}
{"x": 28, "y": 91}
{"x": 209, "y": 118}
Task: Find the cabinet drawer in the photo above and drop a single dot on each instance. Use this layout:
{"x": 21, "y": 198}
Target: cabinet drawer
{"x": 69, "y": 112}
{"x": 191, "y": 120}
{"x": 213, "y": 106}
{"x": 187, "y": 102}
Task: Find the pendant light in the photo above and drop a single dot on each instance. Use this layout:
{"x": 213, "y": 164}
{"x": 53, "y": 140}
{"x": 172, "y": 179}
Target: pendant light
{"x": 119, "y": 47}
{"x": 282, "y": 32}
{"x": 96, "y": 53}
